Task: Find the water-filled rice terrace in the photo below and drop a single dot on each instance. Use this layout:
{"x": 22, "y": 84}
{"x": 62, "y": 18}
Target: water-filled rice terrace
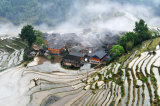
{"x": 11, "y": 52}
{"x": 131, "y": 82}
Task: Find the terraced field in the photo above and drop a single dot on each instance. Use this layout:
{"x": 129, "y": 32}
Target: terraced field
{"x": 131, "y": 83}
{"x": 11, "y": 52}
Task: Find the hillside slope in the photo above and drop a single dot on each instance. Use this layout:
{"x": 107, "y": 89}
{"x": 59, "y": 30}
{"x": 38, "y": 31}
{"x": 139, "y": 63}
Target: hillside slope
{"x": 132, "y": 80}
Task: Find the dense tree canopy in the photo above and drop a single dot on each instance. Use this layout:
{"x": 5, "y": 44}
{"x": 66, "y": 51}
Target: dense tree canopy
{"x": 131, "y": 39}
{"x": 129, "y": 45}
{"x": 142, "y": 30}
{"x": 39, "y": 41}
{"x": 38, "y": 33}
{"x": 116, "y": 51}
{"x": 27, "y": 33}
{"x": 35, "y": 11}
{"x": 50, "y": 11}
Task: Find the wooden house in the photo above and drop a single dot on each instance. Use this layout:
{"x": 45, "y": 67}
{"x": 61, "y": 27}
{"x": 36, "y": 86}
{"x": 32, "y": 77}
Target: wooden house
{"x": 88, "y": 48}
{"x": 56, "y": 46}
{"x": 98, "y": 57}
{"x": 78, "y": 54}
{"x": 71, "y": 43}
{"x": 70, "y": 60}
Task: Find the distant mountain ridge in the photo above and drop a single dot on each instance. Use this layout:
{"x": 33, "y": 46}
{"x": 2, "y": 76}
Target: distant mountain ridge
{"x": 51, "y": 12}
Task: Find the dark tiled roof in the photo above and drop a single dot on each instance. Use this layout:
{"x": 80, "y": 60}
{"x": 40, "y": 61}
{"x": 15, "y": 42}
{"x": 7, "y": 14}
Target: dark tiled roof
{"x": 66, "y": 35}
{"x": 56, "y": 41}
{"x": 71, "y": 57}
{"x": 71, "y": 41}
{"x": 53, "y": 36}
{"x": 86, "y": 44}
{"x": 78, "y": 54}
{"x": 99, "y": 54}
{"x": 76, "y": 49}
{"x": 95, "y": 42}
{"x": 56, "y": 44}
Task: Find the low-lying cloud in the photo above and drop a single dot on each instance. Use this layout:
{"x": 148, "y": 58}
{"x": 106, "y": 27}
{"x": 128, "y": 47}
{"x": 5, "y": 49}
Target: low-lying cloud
{"x": 98, "y": 14}
{"x": 110, "y": 15}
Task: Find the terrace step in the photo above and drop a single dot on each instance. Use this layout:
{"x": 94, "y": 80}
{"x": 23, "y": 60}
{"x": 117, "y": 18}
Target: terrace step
{"x": 147, "y": 97}
{"x": 125, "y": 98}
{"x": 93, "y": 97}
{"x": 118, "y": 97}
{"x": 97, "y": 96}
{"x": 104, "y": 97}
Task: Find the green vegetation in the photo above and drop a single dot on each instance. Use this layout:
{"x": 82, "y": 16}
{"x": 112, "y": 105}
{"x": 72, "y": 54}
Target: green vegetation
{"x": 39, "y": 41}
{"x": 38, "y": 33}
{"x": 50, "y": 57}
{"x": 96, "y": 86}
{"x": 100, "y": 76}
{"x": 9, "y": 45}
{"x": 145, "y": 79}
{"x": 141, "y": 29}
{"x": 35, "y": 11}
{"x": 129, "y": 45}
{"x": 131, "y": 39}
{"x": 25, "y": 57}
{"x": 116, "y": 51}
{"x": 154, "y": 81}
{"x": 27, "y": 33}
{"x": 123, "y": 90}
{"x": 154, "y": 43}
{"x": 31, "y": 36}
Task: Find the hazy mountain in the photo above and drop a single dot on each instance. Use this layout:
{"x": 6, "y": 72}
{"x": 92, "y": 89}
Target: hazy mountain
{"x": 53, "y": 12}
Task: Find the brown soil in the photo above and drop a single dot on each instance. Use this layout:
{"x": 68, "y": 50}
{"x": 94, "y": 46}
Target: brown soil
{"x": 57, "y": 59}
{"x": 41, "y": 60}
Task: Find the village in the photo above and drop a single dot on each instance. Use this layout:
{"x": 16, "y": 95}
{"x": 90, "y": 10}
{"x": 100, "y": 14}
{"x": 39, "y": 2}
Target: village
{"x": 75, "y": 51}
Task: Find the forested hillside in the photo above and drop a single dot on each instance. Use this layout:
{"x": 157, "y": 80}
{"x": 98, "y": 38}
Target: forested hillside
{"x": 34, "y": 11}
{"x": 50, "y": 12}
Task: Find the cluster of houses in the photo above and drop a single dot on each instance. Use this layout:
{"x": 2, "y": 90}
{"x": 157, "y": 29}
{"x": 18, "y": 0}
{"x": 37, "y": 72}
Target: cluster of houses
{"x": 79, "y": 50}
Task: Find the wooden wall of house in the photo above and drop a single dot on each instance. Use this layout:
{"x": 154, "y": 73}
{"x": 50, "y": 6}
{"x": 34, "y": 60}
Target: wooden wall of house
{"x": 56, "y": 51}
{"x": 94, "y": 59}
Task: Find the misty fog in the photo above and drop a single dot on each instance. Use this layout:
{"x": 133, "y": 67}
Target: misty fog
{"x": 115, "y": 16}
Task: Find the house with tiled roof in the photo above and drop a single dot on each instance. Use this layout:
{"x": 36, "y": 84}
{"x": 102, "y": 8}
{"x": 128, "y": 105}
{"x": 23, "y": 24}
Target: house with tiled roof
{"x": 98, "y": 57}
{"x": 53, "y": 36}
{"x": 76, "y": 49}
{"x": 70, "y": 60}
{"x": 69, "y": 36}
{"x": 88, "y": 47}
{"x": 78, "y": 54}
{"x": 56, "y": 46}
{"x": 71, "y": 43}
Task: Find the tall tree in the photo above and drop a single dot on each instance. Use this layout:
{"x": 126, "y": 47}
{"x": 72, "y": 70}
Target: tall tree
{"x": 27, "y": 33}
{"x": 142, "y": 30}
